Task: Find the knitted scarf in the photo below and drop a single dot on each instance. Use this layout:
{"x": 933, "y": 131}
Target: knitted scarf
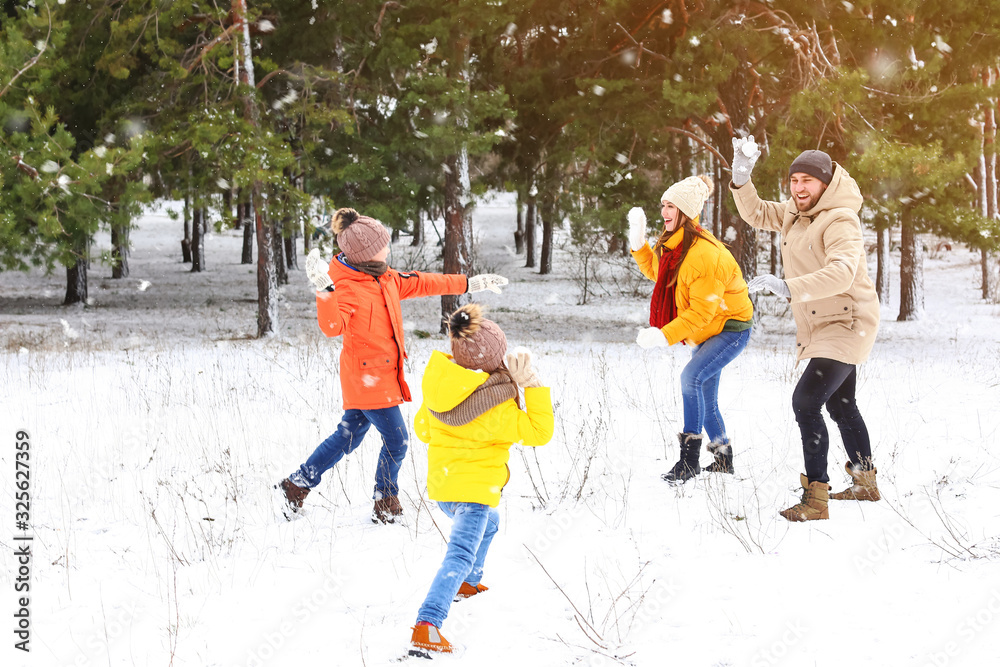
{"x": 663, "y": 307}
{"x": 498, "y": 388}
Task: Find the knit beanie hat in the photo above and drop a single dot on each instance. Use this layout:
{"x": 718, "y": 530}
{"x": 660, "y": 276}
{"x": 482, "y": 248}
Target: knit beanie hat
{"x": 690, "y": 194}
{"x": 815, "y": 163}
{"x": 359, "y": 236}
{"x": 476, "y": 343}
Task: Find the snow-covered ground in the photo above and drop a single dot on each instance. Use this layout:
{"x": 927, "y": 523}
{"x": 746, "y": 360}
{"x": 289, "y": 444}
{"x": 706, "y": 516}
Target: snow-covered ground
{"x": 158, "y": 426}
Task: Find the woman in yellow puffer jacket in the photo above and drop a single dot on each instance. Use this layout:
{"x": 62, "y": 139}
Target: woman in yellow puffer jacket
{"x": 700, "y": 299}
{"x": 470, "y": 416}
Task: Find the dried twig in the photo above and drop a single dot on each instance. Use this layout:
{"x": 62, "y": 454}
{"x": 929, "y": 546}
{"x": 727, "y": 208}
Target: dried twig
{"x": 579, "y": 614}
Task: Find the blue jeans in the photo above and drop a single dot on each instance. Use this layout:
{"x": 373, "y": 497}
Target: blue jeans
{"x": 471, "y": 533}
{"x": 700, "y": 383}
{"x": 351, "y": 432}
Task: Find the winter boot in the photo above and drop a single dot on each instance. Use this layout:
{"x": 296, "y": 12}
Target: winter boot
{"x": 386, "y": 509}
{"x": 688, "y": 465}
{"x": 864, "y": 487}
{"x": 815, "y": 497}
{"x": 427, "y": 638}
{"x": 723, "y": 452}
{"x": 467, "y": 590}
{"x": 294, "y": 497}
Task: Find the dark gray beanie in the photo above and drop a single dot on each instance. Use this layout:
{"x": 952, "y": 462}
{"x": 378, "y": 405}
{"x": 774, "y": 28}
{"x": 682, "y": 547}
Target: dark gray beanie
{"x": 815, "y": 163}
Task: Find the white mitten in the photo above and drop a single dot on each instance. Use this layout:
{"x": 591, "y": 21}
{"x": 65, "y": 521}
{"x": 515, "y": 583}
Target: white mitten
{"x": 745, "y": 154}
{"x": 316, "y": 271}
{"x": 636, "y": 228}
{"x": 772, "y": 284}
{"x": 519, "y": 364}
{"x": 486, "y": 281}
{"x": 651, "y": 337}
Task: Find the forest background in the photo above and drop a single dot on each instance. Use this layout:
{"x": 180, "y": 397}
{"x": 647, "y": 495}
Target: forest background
{"x": 269, "y": 116}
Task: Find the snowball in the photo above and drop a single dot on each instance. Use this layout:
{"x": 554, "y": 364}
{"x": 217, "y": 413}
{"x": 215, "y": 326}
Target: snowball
{"x": 750, "y": 147}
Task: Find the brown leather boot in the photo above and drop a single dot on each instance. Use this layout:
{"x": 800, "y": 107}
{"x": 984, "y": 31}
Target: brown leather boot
{"x": 815, "y": 497}
{"x": 294, "y": 497}
{"x": 864, "y": 487}
{"x": 386, "y": 509}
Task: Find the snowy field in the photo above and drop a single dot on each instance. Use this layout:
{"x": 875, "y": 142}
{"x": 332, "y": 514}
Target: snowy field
{"x": 158, "y": 427}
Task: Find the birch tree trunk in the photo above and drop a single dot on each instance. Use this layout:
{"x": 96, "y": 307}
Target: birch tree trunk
{"x": 267, "y": 285}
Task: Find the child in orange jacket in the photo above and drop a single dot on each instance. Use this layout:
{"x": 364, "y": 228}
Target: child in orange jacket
{"x": 358, "y": 297}
{"x": 470, "y": 416}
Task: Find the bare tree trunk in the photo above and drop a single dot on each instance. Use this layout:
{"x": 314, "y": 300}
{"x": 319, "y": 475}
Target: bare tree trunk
{"x": 716, "y": 210}
{"x": 882, "y": 284}
{"x": 911, "y": 275}
{"x": 775, "y": 247}
{"x": 245, "y": 211}
{"x": 989, "y": 177}
{"x": 267, "y": 286}
{"x": 548, "y": 214}
{"x": 418, "y": 230}
{"x": 76, "y": 277}
{"x": 119, "y": 250}
{"x": 519, "y": 231}
{"x": 278, "y": 252}
{"x": 186, "y": 241}
{"x": 198, "y": 241}
{"x": 456, "y": 245}
{"x": 529, "y": 229}
{"x": 291, "y": 260}
{"x": 745, "y": 246}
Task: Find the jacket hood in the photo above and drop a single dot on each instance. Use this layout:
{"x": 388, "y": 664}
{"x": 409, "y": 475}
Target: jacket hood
{"x": 843, "y": 192}
{"x": 341, "y": 270}
{"x": 446, "y": 384}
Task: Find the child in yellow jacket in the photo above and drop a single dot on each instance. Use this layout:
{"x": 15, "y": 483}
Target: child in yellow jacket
{"x": 470, "y": 416}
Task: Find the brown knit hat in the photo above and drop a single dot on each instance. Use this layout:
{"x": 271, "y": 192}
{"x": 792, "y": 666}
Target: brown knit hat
{"x": 476, "y": 343}
{"x": 359, "y": 236}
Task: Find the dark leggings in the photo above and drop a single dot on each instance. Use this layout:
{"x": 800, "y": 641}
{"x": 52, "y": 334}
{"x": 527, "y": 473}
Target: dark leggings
{"x": 832, "y": 383}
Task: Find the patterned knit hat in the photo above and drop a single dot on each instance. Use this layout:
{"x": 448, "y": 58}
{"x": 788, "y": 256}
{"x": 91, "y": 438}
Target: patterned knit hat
{"x": 690, "y": 194}
{"x": 815, "y": 163}
{"x": 476, "y": 343}
{"x": 359, "y": 236}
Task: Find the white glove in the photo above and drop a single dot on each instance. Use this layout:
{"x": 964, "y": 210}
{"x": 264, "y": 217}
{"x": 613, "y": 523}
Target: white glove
{"x": 486, "y": 281}
{"x": 519, "y": 364}
{"x": 636, "y": 228}
{"x": 651, "y": 337}
{"x": 745, "y": 154}
{"x": 772, "y": 284}
{"x": 316, "y": 271}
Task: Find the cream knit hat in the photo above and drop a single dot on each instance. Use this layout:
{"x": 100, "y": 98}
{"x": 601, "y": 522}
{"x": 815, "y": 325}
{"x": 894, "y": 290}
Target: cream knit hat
{"x": 690, "y": 194}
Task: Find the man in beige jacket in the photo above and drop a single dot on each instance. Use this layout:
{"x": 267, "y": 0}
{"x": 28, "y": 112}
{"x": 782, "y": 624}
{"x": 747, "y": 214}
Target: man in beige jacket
{"x": 835, "y": 307}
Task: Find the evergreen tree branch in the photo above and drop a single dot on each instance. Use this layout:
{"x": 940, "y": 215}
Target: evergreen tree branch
{"x": 31, "y": 63}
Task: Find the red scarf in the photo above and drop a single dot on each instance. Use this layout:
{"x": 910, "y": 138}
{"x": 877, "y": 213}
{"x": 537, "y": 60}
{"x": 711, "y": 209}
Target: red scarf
{"x": 663, "y": 308}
